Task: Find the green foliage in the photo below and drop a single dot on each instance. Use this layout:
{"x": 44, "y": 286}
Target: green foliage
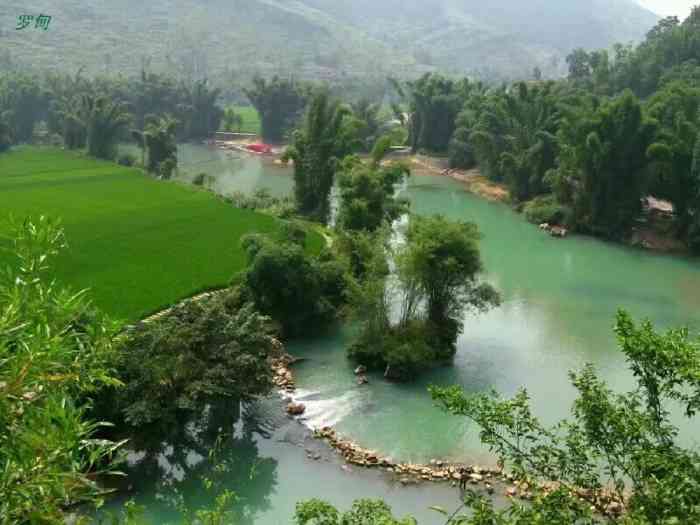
{"x": 694, "y": 228}
{"x": 621, "y": 442}
{"x": 461, "y": 150}
{"x": 262, "y": 200}
{"x": 54, "y": 354}
{"x": 439, "y": 268}
{"x": 250, "y": 119}
{"x": 103, "y": 121}
{"x": 676, "y": 108}
{"x": 232, "y": 121}
{"x": 367, "y": 193}
{"x": 78, "y": 108}
{"x": 171, "y": 240}
{"x": 158, "y": 139}
{"x": 298, "y": 291}
{"x": 280, "y": 103}
{"x": 5, "y": 133}
{"x": 513, "y": 137}
{"x": 434, "y": 103}
{"x": 199, "y": 352}
{"x": 436, "y": 280}
{"x": 546, "y": 209}
{"x": 669, "y": 52}
{"x": 363, "y": 512}
{"x": 367, "y": 114}
{"x": 316, "y": 150}
{"x": 126, "y": 159}
{"x": 199, "y": 114}
{"x": 612, "y": 164}
{"x": 23, "y": 103}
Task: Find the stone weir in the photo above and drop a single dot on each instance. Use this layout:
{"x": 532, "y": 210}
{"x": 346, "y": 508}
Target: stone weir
{"x": 605, "y": 501}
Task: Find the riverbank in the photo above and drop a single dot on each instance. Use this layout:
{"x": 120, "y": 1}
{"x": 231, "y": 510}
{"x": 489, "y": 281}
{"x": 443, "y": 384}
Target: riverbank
{"x": 559, "y": 300}
{"x": 484, "y": 480}
{"x": 473, "y": 181}
{"x": 653, "y": 233}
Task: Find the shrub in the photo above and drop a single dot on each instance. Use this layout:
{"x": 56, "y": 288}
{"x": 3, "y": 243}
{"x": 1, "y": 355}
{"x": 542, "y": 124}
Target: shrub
{"x": 54, "y": 355}
{"x": 199, "y": 352}
{"x": 200, "y": 179}
{"x": 299, "y": 291}
{"x": 546, "y": 209}
{"x": 126, "y": 159}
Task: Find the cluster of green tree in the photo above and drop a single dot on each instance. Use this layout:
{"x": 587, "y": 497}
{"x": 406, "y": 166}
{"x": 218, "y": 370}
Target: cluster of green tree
{"x": 200, "y": 353}
{"x": 280, "y": 103}
{"x": 300, "y": 292}
{"x": 584, "y": 151}
{"x": 411, "y": 316}
{"x": 71, "y": 383}
{"x": 670, "y": 52}
{"x": 366, "y": 196}
{"x": 231, "y": 120}
{"x": 158, "y": 142}
{"x": 436, "y": 268}
{"x": 326, "y": 135}
{"x": 433, "y": 103}
{"x": 622, "y": 443}
{"x": 97, "y": 113}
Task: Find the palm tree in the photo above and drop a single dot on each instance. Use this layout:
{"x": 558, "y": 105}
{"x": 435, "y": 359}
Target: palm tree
{"x": 515, "y": 138}
{"x": 5, "y": 132}
{"x": 158, "y": 139}
{"x": 103, "y": 121}
{"x": 316, "y": 149}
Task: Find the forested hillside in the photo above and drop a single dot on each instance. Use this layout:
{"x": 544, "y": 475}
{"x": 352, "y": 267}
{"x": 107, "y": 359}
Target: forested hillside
{"x": 319, "y": 39}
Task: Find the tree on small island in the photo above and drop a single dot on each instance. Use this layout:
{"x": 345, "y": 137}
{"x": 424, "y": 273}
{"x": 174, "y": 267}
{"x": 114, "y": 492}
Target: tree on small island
{"x": 435, "y": 281}
{"x": 618, "y": 460}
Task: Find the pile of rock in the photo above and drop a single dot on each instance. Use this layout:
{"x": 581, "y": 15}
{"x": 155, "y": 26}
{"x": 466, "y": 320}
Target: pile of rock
{"x": 554, "y": 230}
{"x": 360, "y": 372}
{"x": 436, "y": 471}
{"x": 296, "y": 409}
{"x": 604, "y": 501}
{"x": 283, "y": 377}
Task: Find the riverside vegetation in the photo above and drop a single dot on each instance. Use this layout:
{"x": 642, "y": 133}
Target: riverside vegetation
{"x": 60, "y": 361}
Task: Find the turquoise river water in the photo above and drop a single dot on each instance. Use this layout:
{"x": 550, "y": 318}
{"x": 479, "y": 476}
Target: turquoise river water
{"x": 560, "y": 298}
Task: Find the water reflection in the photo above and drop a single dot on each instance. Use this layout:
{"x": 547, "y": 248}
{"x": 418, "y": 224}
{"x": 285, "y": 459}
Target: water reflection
{"x": 231, "y": 172}
{"x": 220, "y": 449}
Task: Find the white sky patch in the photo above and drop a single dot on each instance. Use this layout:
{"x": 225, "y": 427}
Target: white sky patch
{"x": 679, "y": 8}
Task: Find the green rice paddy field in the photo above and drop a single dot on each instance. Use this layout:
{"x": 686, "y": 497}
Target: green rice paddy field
{"x": 137, "y": 243}
{"x": 251, "y": 119}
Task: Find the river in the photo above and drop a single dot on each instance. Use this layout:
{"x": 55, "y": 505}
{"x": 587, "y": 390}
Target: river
{"x": 559, "y": 302}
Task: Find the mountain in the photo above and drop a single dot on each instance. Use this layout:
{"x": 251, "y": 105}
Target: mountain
{"x": 317, "y": 38}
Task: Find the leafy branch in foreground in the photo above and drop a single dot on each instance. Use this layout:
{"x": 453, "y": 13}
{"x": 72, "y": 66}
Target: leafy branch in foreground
{"x": 619, "y": 451}
{"x": 54, "y": 354}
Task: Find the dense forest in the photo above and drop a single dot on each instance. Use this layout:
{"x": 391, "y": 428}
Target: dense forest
{"x": 585, "y": 151}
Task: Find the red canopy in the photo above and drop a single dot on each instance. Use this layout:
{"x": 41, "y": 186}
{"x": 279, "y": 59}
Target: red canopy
{"x": 259, "y": 148}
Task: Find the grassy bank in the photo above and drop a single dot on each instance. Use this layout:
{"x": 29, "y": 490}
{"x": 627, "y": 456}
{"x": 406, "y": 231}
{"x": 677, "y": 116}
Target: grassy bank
{"x": 251, "y": 119}
{"x": 137, "y": 243}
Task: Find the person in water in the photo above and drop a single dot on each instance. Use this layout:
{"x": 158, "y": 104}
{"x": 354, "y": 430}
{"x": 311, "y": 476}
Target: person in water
{"x": 463, "y": 478}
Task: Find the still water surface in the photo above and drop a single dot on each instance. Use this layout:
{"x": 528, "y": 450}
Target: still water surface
{"x": 560, "y": 298}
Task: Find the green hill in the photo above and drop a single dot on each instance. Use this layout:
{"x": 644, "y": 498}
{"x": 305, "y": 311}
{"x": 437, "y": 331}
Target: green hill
{"x": 321, "y": 39}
